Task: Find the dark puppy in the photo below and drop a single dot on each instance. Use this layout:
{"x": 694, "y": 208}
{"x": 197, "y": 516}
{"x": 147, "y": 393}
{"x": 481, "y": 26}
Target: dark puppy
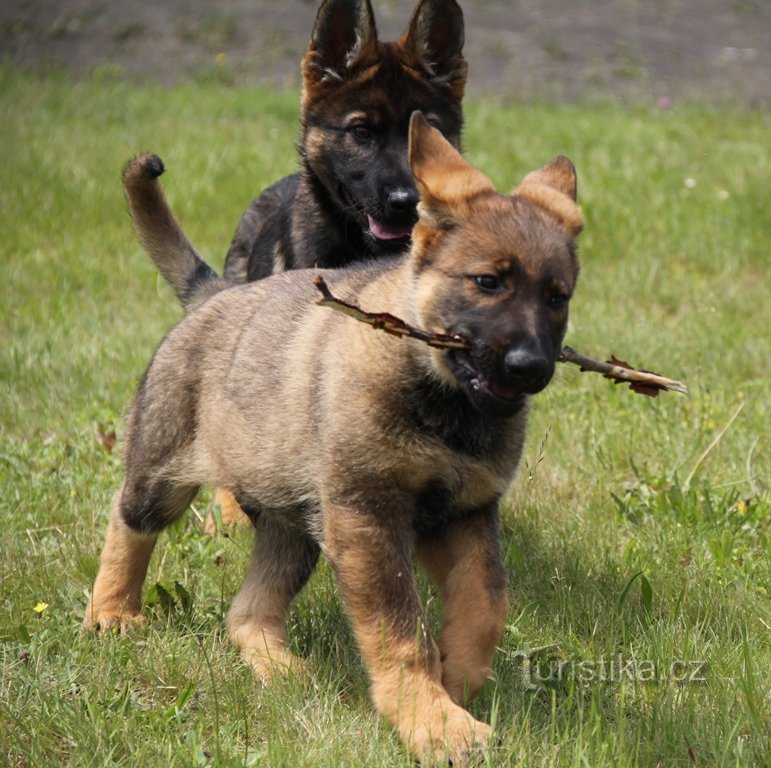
{"x": 354, "y": 195}
{"x": 380, "y": 452}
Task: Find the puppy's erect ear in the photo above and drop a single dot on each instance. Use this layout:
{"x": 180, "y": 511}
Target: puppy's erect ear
{"x": 560, "y": 174}
{"x": 553, "y": 187}
{"x": 445, "y": 181}
{"x": 344, "y": 39}
{"x": 433, "y": 43}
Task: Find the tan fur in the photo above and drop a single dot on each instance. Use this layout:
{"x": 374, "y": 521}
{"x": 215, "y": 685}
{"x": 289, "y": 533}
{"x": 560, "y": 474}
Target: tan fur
{"x": 405, "y": 674}
{"x": 455, "y": 185}
{"x": 553, "y": 187}
{"x": 116, "y": 597}
{"x": 256, "y": 624}
{"x": 380, "y": 452}
{"x": 230, "y": 512}
{"x": 472, "y": 591}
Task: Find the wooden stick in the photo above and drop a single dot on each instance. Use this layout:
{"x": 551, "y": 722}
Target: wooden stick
{"x": 644, "y": 382}
{"x": 640, "y": 381}
{"x": 383, "y": 321}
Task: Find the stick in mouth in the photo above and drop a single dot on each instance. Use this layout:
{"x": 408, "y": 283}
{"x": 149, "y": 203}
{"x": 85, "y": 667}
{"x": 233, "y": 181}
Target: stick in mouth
{"x": 640, "y": 381}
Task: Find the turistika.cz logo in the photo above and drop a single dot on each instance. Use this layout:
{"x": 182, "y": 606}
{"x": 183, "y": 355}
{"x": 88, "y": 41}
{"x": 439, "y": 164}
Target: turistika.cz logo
{"x": 540, "y": 669}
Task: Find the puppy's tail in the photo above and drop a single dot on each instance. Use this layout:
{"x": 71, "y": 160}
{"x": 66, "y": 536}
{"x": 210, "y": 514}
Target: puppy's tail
{"x": 192, "y": 279}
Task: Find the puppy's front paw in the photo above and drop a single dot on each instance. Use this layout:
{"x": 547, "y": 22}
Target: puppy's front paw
{"x": 279, "y": 662}
{"x": 107, "y": 619}
{"x": 455, "y": 738}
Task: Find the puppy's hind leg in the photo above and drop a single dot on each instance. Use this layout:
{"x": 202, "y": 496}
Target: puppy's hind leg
{"x": 140, "y": 512}
{"x": 230, "y": 512}
{"x": 282, "y": 560}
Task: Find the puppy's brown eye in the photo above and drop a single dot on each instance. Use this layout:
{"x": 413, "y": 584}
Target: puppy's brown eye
{"x": 488, "y": 283}
{"x": 361, "y": 132}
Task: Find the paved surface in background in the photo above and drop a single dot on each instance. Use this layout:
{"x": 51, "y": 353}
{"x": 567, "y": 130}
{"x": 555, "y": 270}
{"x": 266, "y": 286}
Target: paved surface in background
{"x": 645, "y": 51}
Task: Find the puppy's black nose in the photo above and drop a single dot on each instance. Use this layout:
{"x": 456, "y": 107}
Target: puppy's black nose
{"x": 402, "y": 199}
{"x": 526, "y": 370}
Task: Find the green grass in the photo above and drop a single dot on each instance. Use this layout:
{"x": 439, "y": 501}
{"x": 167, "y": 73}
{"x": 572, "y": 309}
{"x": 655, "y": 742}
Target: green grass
{"x": 637, "y": 533}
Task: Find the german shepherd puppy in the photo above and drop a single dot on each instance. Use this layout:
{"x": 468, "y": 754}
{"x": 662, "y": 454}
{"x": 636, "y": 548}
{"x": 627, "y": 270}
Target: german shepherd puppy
{"x": 354, "y": 195}
{"x": 380, "y": 452}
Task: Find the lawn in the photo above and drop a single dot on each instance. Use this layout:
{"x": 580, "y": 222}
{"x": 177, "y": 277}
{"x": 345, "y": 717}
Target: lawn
{"x": 636, "y": 535}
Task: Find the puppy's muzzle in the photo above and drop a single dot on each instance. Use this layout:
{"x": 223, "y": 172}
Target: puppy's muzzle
{"x": 499, "y": 381}
{"x": 525, "y": 370}
{"x": 402, "y": 200}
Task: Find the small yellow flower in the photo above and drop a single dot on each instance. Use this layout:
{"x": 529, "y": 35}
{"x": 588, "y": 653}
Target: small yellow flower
{"x": 40, "y": 607}
{"x": 221, "y": 58}
{"x": 741, "y": 506}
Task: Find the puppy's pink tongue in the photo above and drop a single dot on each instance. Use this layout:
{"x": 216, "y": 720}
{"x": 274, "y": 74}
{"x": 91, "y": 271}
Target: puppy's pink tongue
{"x": 385, "y": 232}
{"x": 504, "y": 393}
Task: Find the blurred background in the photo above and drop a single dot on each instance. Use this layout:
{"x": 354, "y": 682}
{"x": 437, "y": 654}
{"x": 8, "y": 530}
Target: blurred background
{"x": 717, "y": 51}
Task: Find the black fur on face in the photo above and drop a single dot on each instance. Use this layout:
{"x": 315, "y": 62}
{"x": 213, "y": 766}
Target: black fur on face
{"x": 358, "y": 97}
{"x": 359, "y": 155}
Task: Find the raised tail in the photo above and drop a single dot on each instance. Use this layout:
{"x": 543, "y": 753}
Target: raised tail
{"x": 192, "y": 279}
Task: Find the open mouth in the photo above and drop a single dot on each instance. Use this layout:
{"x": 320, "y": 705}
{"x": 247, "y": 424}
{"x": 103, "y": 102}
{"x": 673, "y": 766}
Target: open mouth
{"x": 488, "y": 395}
{"x": 507, "y": 394}
{"x": 382, "y": 231}
{"x": 390, "y": 233}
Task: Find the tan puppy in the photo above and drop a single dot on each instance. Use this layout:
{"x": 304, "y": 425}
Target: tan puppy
{"x": 378, "y": 451}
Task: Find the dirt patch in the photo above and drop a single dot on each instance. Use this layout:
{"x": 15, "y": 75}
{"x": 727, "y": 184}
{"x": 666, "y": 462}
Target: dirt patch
{"x": 555, "y": 50}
